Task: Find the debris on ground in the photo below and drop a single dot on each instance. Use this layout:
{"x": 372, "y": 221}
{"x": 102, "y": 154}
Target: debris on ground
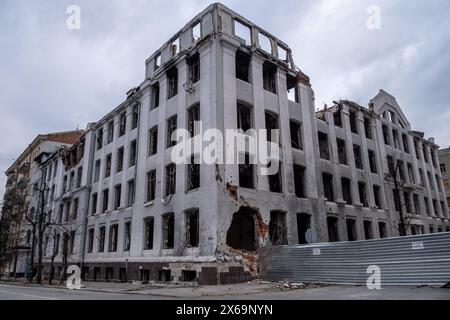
{"x": 297, "y": 285}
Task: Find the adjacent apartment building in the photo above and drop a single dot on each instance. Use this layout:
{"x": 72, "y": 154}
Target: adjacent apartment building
{"x": 125, "y": 211}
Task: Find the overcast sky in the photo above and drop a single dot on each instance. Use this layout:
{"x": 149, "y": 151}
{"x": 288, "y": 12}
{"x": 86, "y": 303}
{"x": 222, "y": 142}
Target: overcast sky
{"x": 56, "y": 79}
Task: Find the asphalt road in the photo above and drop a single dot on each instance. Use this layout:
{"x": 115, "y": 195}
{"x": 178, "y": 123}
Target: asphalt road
{"x": 19, "y": 292}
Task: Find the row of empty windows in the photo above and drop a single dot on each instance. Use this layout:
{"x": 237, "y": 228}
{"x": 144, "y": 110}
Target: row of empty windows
{"x": 73, "y": 182}
{"x": 168, "y": 233}
{"x": 351, "y": 228}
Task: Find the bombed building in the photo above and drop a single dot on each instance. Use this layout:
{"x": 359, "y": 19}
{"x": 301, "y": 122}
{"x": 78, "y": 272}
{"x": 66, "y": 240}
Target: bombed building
{"x": 346, "y": 173}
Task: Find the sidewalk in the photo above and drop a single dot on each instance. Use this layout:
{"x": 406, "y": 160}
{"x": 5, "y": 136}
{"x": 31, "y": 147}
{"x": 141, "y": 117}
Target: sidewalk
{"x": 172, "y": 290}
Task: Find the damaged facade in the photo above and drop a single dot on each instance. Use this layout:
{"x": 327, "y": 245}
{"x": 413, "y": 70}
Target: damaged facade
{"x": 138, "y": 216}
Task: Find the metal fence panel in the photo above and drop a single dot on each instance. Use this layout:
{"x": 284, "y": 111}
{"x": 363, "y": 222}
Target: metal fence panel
{"x": 412, "y": 260}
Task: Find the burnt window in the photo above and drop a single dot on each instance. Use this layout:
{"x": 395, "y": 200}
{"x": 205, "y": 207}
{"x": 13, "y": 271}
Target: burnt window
{"x": 153, "y": 141}
{"x": 246, "y": 173}
{"x": 194, "y": 68}
{"x": 122, "y": 124}
{"x": 407, "y": 200}
{"x": 377, "y": 196}
{"x": 292, "y": 88}
{"x": 113, "y": 230}
{"x": 342, "y": 151}
{"x": 105, "y": 200}
{"x": 94, "y": 203}
{"x": 328, "y": 186}
{"x": 386, "y": 137}
{"x": 363, "y": 194}
{"x": 368, "y": 233}
{"x": 244, "y": 117}
{"x": 405, "y": 143}
{"x": 108, "y": 166}
{"x": 353, "y": 122}
{"x": 171, "y": 179}
{"x": 396, "y": 139}
{"x": 277, "y": 228}
{"x": 323, "y": 146}
{"x": 333, "y": 231}
{"x": 127, "y": 236}
{"x": 303, "y": 225}
{"x": 117, "y": 196}
{"x": 111, "y": 131}
{"x": 79, "y": 175}
{"x": 193, "y": 174}
{"x": 275, "y": 181}
{"x": 97, "y": 170}
{"x": 172, "y": 82}
{"x": 171, "y": 127}
{"x": 299, "y": 181}
{"x": 270, "y": 77}
{"x": 368, "y": 128}
{"x": 131, "y": 193}
{"x": 120, "y": 154}
{"x": 346, "y": 190}
{"x": 372, "y": 161}
{"x": 135, "y": 118}
{"x": 149, "y": 225}
{"x": 296, "y": 135}
{"x": 151, "y": 185}
{"x": 382, "y": 229}
{"x": 337, "y": 118}
{"x": 90, "y": 246}
{"x": 192, "y": 228}
{"x": 101, "y": 239}
{"x": 358, "y": 158}
{"x": 99, "y": 138}
{"x": 155, "y": 96}
{"x": 351, "y": 230}
{"x": 168, "y": 230}
{"x": 133, "y": 153}
{"x": 193, "y": 119}
{"x": 243, "y": 66}
{"x": 271, "y": 124}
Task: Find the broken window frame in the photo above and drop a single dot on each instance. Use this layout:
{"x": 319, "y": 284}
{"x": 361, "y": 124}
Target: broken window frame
{"x": 133, "y": 154}
{"x": 346, "y": 185}
{"x": 333, "y": 229}
{"x": 275, "y": 180}
{"x": 303, "y": 225}
{"x": 192, "y": 120}
{"x": 151, "y": 186}
{"x": 94, "y": 203}
{"x": 113, "y": 237}
{"x": 153, "y": 141}
{"x": 368, "y": 128}
{"x": 295, "y": 128}
{"x": 192, "y": 228}
{"x": 342, "y": 151}
{"x": 351, "y": 229}
{"x": 358, "y": 157}
{"x": 270, "y": 71}
{"x": 101, "y": 239}
{"x": 171, "y": 127}
{"x": 196, "y": 31}
{"x": 386, "y": 137}
{"x": 299, "y": 181}
{"x": 368, "y": 229}
{"x": 372, "y": 161}
{"x": 247, "y": 173}
{"x": 265, "y": 42}
{"x": 328, "y": 188}
{"x": 105, "y": 200}
{"x": 278, "y": 228}
{"x": 120, "y": 158}
{"x": 271, "y": 122}
{"x": 324, "y": 147}
{"x": 242, "y": 31}
{"x": 171, "y": 179}
{"x": 172, "y": 82}
{"x": 193, "y": 174}
{"x": 353, "y": 117}
{"x": 122, "y": 124}
{"x": 99, "y": 138}
{"x": 292, "y": 88}
{"x": 90, "y": 245}
{"x": 377, "y": 196}
{"x": 175, "y": 47}
{"x": 405, "y": 143}
{"x": 97, "y": 170}
{"x": 110, "y": 132}
{"x": 157, "y": 61}
{"x": 108, "y": 165}
{"x": 131, "y": 193}
{"x": 149, "y": 232}
{"x": 362, "y": 190}
{"x": 193, "y": 63}
{"x": 242, "y": 64}
{"x": 382, "y": 229}
{"x": 396, "y": 139}
{"x": 117, "y": 196}
{"x": 154, "y": 103}
{"x": 79, "y": 177}
{"x": 283, "y": 53}
{"x": 168, "y": 232}
{"x": 127, "y": 236}
{"x": 244, "y": 117}
{"x": 135, "y": 116}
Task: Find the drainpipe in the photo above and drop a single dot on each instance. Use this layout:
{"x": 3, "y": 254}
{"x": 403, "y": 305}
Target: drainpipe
{"x": 86, "y": 210}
